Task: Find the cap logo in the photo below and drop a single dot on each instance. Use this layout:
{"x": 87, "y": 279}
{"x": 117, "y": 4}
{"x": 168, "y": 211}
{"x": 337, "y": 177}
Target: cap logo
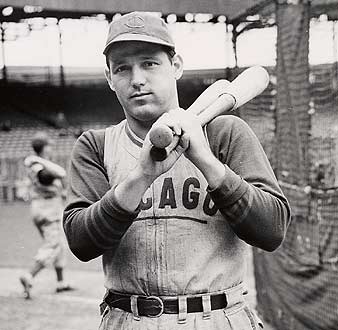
{"x": 135, "y": 22}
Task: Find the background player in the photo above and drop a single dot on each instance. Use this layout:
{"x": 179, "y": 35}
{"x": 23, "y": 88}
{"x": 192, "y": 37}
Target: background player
{"x": 46, "y": 196}
{"x": 173, "y": 235}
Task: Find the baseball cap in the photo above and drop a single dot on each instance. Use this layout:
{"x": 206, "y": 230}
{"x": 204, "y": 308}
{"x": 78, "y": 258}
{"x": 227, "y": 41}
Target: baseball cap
{"x": 139, "y": 26}
{"x": 39, "y": 140}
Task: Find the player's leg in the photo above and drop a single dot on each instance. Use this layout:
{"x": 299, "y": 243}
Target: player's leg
{"x": 59, "y": 265}
{"x": 61, "y": 284}
{"x": 27, "y": 278}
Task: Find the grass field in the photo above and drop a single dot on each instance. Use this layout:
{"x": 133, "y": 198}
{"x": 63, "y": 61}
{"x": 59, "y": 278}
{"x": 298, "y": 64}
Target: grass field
{"x": 75, "y": 310}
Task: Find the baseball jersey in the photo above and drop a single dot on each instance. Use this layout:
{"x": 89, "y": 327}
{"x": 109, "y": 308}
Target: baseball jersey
{"x": 46, "y": 200}
{"x": 184, "y": 238}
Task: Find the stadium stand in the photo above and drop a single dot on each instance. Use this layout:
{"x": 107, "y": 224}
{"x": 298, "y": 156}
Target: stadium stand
{"x": 32, "y": 107}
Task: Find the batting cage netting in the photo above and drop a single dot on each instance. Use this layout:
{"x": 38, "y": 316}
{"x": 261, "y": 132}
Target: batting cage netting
{"x": 297, "y": 285}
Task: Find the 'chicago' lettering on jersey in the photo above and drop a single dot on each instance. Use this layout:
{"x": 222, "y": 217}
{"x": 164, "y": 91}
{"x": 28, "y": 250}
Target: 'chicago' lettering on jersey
{"x": 191, "y": 196}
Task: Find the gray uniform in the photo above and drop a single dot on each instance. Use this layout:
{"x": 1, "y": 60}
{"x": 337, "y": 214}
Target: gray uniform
{"x": 184, "y": 240}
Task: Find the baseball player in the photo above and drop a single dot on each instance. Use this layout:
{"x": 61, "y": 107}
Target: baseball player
{"x": 173, "y": 234}
{"x": 46, "y": 195}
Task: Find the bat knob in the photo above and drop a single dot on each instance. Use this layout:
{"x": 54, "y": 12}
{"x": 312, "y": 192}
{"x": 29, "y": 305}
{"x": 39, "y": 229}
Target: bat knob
{"x": 161, "y": 136}
{"x": 158, "y": 154}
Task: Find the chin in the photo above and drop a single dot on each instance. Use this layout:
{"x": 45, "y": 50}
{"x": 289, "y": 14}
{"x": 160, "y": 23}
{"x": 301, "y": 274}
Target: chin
{"x": 148, "y": 115}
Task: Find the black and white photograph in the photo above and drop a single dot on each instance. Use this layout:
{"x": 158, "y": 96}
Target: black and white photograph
{"x": 169, "y": 165}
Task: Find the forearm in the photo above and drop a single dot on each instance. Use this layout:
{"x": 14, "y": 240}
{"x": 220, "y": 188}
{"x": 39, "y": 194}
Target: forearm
{"x": 94, "y": 222}
{"x": 258, "y": 217}
{"x": 248, "y": 195}
{"x": 53, "y": 168}
{"x": 94, "y": 228}
{"x": 134, "y": 186}
{"x": 212, "y": 169}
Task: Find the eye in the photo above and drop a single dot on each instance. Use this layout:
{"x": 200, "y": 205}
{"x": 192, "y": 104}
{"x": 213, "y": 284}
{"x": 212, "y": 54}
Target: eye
{"x": 149, "y": 64}
{"x": 120, "y": 69}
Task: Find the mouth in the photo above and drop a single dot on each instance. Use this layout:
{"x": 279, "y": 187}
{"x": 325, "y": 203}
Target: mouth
{"x": 139, "y": 95}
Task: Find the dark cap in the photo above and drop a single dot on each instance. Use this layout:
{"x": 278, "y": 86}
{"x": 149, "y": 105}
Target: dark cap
{"x": 40, "y": 140}
{"x": 139, "y": 26}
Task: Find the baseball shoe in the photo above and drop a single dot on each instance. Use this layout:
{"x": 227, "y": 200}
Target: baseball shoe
{"x": 26, "y": 281}
{"x": 63, "y": 288}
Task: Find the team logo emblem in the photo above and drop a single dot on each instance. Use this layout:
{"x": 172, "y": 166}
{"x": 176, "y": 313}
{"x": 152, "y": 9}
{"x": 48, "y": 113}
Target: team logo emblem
{"x": 135, "y": 22}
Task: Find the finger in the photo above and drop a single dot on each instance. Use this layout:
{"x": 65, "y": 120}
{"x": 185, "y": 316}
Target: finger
{"x": 181, "y": 147}
{"x": 184, "y": 142}
{"x": 173, "y": 120}
{"x": 146, "y": 142}
{"x": 173, "y": 144}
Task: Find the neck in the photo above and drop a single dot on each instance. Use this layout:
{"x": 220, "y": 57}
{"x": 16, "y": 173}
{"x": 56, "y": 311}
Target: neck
{"x": 141, "y": 128}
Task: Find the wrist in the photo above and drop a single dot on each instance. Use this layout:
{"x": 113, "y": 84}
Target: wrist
{"x": 213, "y": 171}
{"x": 134, "y": 186}
{"x": 142, "y": 177}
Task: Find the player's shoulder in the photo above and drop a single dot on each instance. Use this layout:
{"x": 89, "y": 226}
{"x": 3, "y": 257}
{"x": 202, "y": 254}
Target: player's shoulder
{"x": 228, "y": 123}
{"x": 99, "y": 134}
{"x": 93, "y": 134}
{"x": 92, "y": 140}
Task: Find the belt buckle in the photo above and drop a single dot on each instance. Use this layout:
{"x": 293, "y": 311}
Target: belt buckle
{"x": 161, "y": 304}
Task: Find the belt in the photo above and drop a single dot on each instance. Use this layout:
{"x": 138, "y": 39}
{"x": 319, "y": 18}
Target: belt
{"x": 153, "y": 306}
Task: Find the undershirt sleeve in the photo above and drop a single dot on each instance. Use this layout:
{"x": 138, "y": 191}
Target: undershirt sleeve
{"x": 249, "y": 196}
{"x": 93, "y": 221}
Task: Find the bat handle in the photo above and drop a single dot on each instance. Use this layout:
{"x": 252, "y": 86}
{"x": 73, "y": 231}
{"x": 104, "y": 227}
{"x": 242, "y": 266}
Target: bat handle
{"x": 158, "y": 154}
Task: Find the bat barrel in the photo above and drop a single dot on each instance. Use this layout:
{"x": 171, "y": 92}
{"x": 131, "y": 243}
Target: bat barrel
{"x": 214, "y": 101}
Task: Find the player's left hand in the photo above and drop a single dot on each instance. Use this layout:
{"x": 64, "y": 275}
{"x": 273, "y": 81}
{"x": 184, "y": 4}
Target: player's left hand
{"x": 189, "y": 128}
{"x": 198, "y": 150}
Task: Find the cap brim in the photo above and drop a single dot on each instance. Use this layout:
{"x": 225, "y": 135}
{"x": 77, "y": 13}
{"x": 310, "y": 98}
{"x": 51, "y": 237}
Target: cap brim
{"x": 137, "y": 37}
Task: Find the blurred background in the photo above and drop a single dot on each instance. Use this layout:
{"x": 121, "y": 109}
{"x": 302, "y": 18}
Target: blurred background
{"x": 51, "y": 69}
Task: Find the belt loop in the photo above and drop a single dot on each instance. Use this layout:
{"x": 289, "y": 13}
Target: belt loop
{"x": 102, "y": 307}
{"x": 206, "y": 303}
{"x": 182, "y": 309}
{"x": 234, "y": 295}
{"x": 134, "y": 308}
{"x": 104, "y": 304}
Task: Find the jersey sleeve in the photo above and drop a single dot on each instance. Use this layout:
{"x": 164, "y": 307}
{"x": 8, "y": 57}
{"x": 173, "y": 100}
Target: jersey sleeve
{"x": 33, "y": 169}
{"x": 93, "y": 221}
{"x": 45, "y": 177}
{"x": 40, "y": 177}
{"x": 249, "y": 196}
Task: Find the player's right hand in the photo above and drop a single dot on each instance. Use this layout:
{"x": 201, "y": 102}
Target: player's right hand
{"x": 152, "y": 168}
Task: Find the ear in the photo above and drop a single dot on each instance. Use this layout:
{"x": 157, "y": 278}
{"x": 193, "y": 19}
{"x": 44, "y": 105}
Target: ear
{"x": 178, "y": 66}
{"x": 107, "y": 75}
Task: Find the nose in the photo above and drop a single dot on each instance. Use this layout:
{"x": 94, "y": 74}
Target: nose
{"x": 138, "y": 77}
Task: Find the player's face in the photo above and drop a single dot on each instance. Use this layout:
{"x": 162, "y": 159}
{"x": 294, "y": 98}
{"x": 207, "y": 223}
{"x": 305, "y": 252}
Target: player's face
{"x": 144, "y": 80}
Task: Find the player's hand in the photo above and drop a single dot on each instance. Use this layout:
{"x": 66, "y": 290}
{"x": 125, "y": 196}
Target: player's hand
{"x": 153, "y": 169}
{"x": 197, "y": 148}
{"x": 187, "y": 126}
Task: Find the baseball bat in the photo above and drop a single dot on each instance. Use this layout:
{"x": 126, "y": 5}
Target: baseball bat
{"x": 214, "y": 101}
{"x": 161, "y": 135}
